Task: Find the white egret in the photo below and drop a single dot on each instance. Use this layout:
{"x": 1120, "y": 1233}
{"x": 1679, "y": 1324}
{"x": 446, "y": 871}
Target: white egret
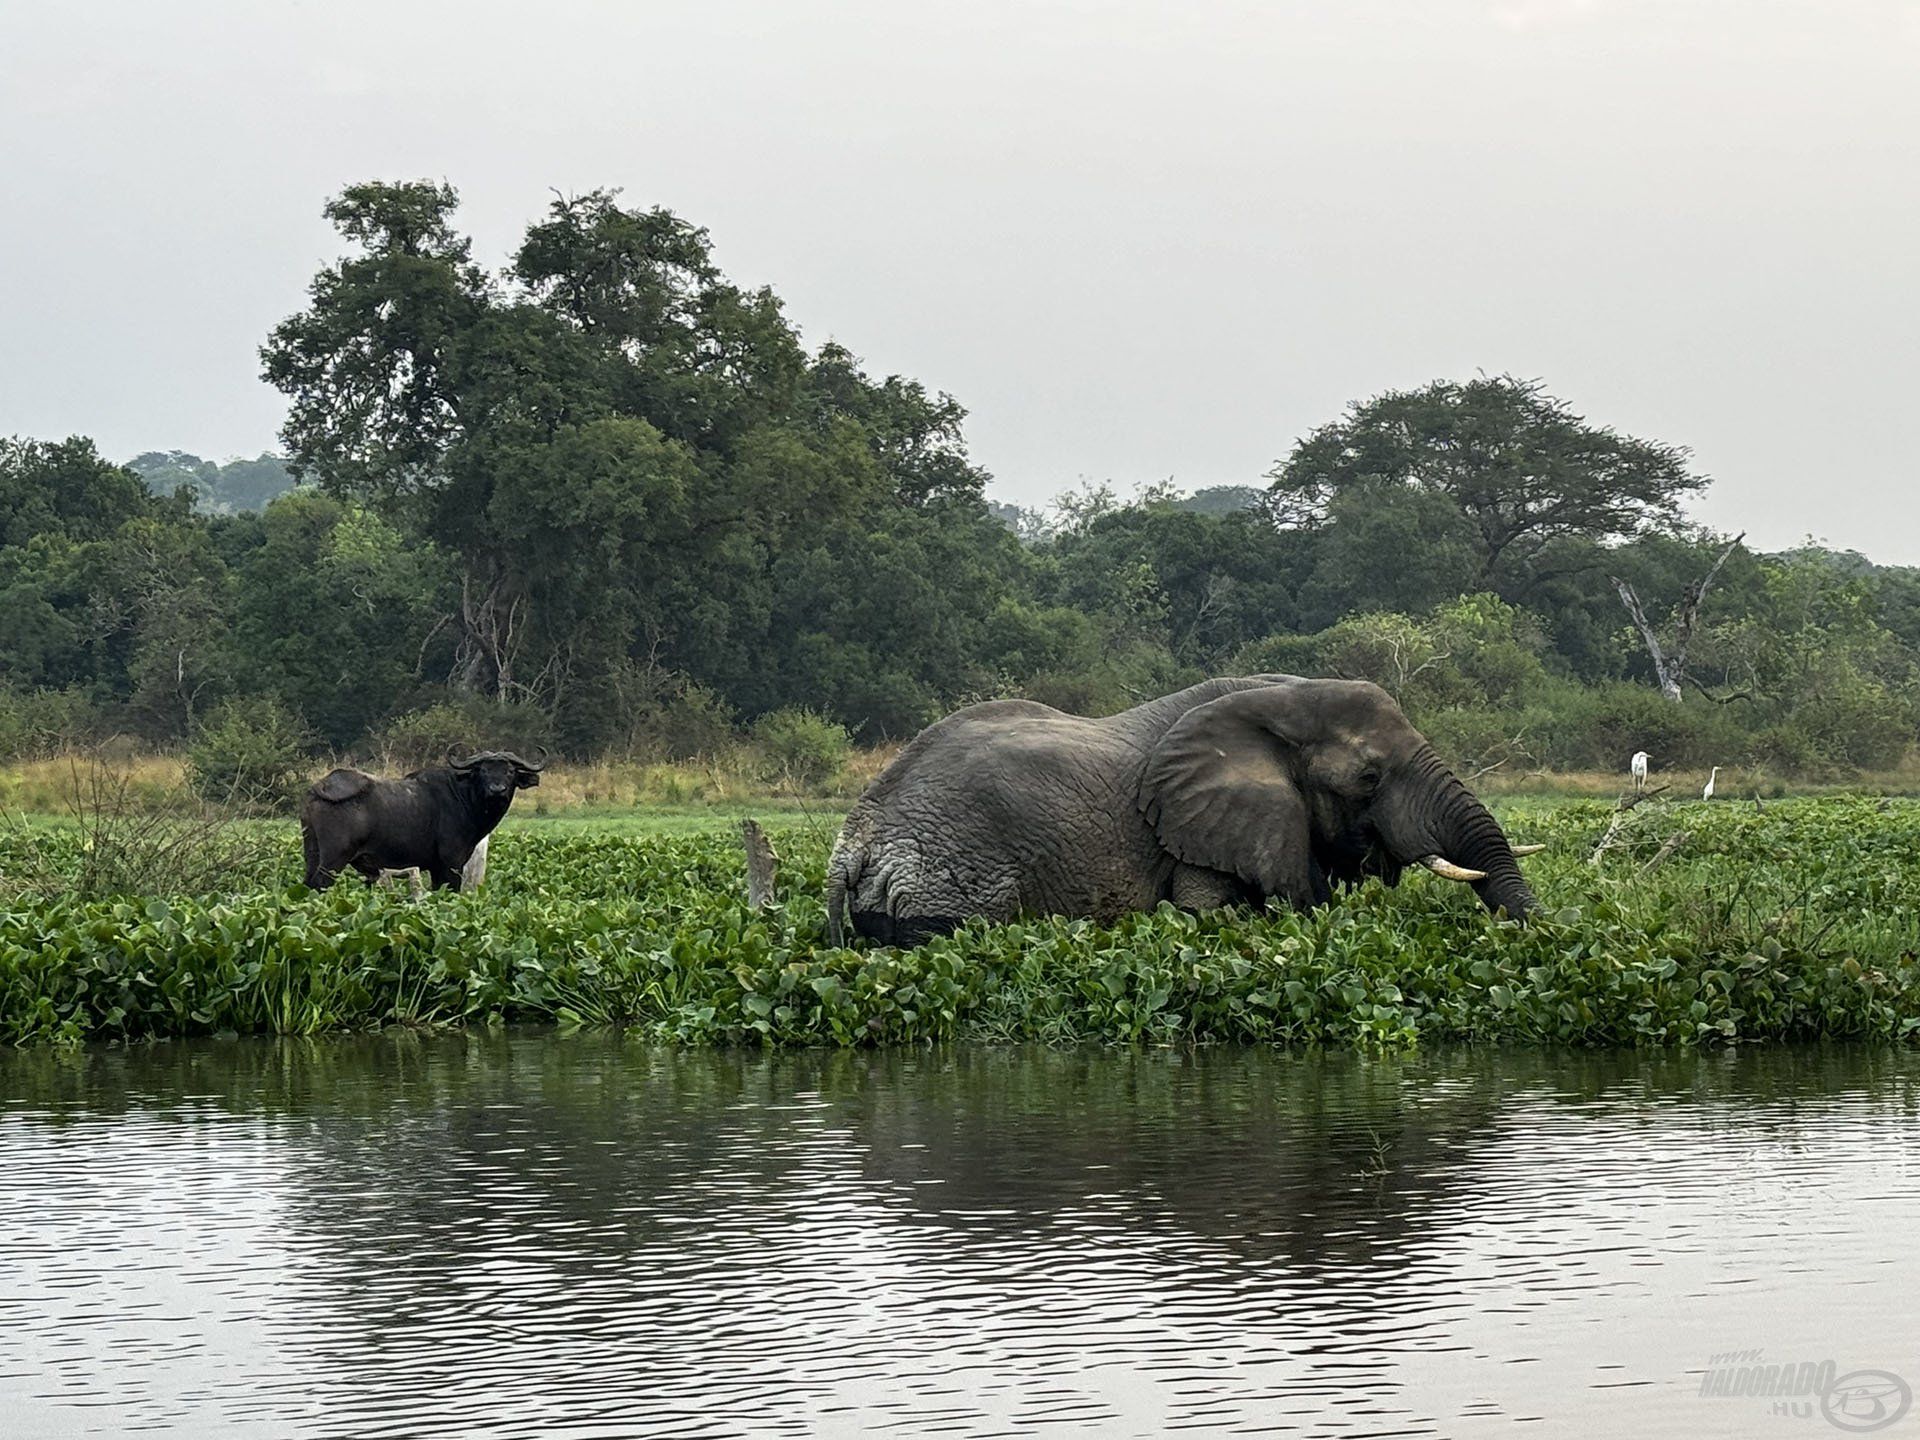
{"x": 1707, "y": 794}
{"x": 1639, "y": 768}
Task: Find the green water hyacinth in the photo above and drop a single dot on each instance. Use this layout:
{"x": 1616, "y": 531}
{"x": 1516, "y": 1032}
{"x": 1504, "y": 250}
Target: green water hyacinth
{"x": 1798, "y": 922}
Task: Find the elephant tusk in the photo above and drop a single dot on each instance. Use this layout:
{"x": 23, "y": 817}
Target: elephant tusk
{"x": 1446, "y": 869}
{"x": 1528, "y": 849}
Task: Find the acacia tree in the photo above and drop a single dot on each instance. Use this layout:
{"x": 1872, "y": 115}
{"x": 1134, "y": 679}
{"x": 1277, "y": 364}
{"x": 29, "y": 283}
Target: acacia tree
{"x": 1518, "y": 465}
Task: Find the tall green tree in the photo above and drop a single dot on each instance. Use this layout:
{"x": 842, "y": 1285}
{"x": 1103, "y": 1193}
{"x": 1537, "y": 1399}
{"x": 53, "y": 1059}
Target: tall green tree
{"x": 1520, "y": 467}
{"x": 622, "y": 450}
{"x": 373, "y": 368}
{"x": 65, "y": 488}
{"x": 1200, "y": 584}
{"x": 334, "y": 612}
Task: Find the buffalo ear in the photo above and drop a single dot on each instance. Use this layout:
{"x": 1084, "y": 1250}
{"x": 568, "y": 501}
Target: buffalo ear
{"x": 525, "y": 778}
{"x": 1219, "y": 789}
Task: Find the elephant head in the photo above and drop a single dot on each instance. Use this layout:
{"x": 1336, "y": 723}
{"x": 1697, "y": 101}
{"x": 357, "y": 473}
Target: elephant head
{"x": 1258, "y": 780}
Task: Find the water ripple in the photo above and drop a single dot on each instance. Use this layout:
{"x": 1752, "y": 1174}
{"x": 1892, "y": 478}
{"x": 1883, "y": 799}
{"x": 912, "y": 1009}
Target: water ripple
{"x": 502, "y": 1235}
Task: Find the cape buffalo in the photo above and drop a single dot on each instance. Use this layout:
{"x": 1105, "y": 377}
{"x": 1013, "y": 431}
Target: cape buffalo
{"x": 433, "y": 819}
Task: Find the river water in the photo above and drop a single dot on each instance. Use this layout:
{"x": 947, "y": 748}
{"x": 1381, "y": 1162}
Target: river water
{"x": 526, "y": 1233}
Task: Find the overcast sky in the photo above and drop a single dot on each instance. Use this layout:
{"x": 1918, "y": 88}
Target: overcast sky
{"x": 1137, "y": 241}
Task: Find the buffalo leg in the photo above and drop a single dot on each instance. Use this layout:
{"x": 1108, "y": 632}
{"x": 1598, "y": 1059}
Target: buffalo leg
{"x": 323, "y": 870}
{"x": 319, "y": 876}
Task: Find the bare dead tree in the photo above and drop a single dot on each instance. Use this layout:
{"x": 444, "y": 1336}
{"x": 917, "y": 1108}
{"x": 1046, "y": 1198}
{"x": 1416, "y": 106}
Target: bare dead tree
{"x": 1665, "y": 852}
{"x": 1617, "y": 826}
{"x": 1670, "y": 666}
{"x": 1399, "y": 659}
{"x": 1407, "y": 677}
{"x": 493, "y": 628}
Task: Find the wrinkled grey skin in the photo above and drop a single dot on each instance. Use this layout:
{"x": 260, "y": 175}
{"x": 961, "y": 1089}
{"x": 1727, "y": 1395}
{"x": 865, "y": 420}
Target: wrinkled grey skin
{"x": 1231, "y": 791}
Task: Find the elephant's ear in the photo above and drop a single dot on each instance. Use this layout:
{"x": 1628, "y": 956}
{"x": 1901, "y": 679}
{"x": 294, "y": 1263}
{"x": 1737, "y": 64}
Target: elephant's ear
{"x": 1219, "y": 789}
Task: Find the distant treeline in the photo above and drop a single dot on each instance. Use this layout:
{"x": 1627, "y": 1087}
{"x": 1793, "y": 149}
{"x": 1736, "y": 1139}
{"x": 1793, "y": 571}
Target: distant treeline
{"x": 217, "y": 489}
{"x": 604, "y": 499}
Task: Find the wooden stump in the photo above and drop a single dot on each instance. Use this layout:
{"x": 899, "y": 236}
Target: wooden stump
{"x": 762, "y": 865}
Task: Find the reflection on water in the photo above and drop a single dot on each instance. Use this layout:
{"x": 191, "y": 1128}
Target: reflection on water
{"x": 515, "y": 1234}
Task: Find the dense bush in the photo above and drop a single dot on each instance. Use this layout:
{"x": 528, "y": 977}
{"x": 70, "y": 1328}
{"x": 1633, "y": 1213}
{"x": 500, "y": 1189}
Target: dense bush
{"x": 248, "y": 753}
{"x": 1597, "y": 727}
{"x": 799, "y": 748}
{"x": 426, "y": 736}
{"x": 1844, "y": 722}
{"x": 1475, "y": 651}
{"x": 672, "y": 718}
{"x": 1796, "y": 922}
{"x": 38, "y": 723}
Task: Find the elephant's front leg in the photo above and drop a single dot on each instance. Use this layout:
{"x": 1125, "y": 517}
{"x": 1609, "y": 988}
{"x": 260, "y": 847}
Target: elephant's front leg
{"x": 1194, "y": 887}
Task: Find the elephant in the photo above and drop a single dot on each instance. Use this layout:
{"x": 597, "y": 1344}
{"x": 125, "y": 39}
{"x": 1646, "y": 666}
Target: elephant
{"x": 1232, "y": 791}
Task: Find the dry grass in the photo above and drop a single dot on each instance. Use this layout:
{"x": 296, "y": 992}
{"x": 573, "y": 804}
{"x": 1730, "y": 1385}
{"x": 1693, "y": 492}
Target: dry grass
{"x": 156, "y": 783}
{"x": 1733, "y": 782}
{"x": 728, "y": 781}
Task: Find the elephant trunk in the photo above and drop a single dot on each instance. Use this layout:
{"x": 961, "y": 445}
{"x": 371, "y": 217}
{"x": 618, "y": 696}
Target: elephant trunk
{"x": 1452, "y": 823}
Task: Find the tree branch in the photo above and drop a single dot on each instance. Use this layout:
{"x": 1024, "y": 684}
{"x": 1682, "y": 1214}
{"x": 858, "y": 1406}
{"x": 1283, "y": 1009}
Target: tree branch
{"x": 1671, "y": 669}
{"x": 1720, "y": 699}
{"x": 1690, "y": 606}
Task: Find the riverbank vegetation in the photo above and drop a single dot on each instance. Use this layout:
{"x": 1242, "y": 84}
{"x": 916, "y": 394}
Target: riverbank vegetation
{"x": 604, "y": 499}
{"x": 1702, "y": 924}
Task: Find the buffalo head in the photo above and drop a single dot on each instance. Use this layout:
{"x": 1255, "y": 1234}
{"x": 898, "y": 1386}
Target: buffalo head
{"x": 498, "y": 773}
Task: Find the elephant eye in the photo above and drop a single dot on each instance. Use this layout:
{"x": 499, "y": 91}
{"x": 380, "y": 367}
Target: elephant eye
{"x": 1369, "y": 777}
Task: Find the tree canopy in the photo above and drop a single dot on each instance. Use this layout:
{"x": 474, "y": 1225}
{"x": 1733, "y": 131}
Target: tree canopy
{"x": 628, "y": 456}
{"x": 600, "y": 496}
{"x": 1512, "y": 468}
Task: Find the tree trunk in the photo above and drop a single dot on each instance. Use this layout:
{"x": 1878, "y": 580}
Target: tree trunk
{"x": 491, "y": 631}
{"x": 1670, "y": 669}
